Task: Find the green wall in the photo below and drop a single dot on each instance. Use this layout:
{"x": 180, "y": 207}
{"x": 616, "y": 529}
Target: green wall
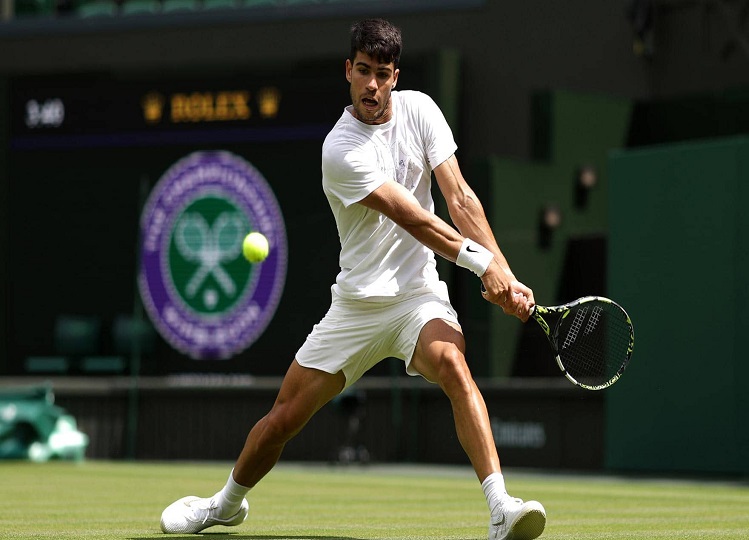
{"x": 3, "y": 223}
{"x": 569, "y": 130}
{"x": 679, "y": 259}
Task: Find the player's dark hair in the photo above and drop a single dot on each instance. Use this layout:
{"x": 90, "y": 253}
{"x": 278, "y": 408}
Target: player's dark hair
{"x": 378, "y": 39}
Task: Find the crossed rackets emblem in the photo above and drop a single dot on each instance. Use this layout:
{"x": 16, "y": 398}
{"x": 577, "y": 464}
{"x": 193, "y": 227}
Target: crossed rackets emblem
{"x": 210, "y": 247}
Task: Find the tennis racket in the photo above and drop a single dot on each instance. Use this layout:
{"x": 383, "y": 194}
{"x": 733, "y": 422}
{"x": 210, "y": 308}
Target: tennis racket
{"x": 592, "y": 339}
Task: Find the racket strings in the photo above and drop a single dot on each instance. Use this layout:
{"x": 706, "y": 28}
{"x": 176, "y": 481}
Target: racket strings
{"x": 596, "y": 343}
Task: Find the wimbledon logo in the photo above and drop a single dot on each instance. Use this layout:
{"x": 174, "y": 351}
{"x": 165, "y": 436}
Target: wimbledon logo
{"x": 205, "y": 299}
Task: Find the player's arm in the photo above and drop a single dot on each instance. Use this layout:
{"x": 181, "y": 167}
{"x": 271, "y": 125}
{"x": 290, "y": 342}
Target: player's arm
{"x": 397, "y": 203}
{"x": 467, "y": 213}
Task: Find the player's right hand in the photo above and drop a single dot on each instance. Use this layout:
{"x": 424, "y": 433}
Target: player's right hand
{"x": 512, "y": 296}
{"x": 522, "y": 303}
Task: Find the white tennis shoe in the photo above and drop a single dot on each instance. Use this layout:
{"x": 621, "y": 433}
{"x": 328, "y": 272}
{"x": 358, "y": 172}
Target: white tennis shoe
{"x": 513, "y": 519}
{"x": 191, "y": 515}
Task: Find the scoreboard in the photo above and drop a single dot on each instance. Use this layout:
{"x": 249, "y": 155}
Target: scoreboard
{"x": 98, "y": 109}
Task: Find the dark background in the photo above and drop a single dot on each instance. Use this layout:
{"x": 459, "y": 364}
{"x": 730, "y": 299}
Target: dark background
{"x": 532, "y": 90}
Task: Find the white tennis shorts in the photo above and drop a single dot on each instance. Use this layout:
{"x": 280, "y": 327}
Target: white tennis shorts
{"x": 357, "y": 334}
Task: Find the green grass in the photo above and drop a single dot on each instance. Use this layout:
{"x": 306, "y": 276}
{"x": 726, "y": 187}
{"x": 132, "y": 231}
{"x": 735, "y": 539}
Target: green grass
{"x": 105, "y": 500}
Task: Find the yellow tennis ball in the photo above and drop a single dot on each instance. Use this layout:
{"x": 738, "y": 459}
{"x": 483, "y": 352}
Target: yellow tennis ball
{"x": 255, "y": 247}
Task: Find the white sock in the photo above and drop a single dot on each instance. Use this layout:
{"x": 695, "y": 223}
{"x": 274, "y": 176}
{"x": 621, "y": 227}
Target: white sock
{"x": 230, "y": 498}
{"x": 494, "y": 489}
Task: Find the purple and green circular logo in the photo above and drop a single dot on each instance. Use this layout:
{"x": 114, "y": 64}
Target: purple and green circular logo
{"x": 202, "y": 295}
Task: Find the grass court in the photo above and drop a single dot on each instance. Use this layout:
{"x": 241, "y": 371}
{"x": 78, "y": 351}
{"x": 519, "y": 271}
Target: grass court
{"x": 123, "y": 500}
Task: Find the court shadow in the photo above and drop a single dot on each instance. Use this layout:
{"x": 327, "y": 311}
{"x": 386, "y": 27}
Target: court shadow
{"x": 240, "y": 536}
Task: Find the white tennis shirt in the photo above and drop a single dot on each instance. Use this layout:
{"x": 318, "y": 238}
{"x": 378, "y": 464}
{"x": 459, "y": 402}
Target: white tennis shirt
{"x": 378, "y": 258}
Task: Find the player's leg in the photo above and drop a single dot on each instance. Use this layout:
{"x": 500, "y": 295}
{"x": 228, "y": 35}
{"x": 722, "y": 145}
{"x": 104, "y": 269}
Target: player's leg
{"x": 440, "y": 357}
{"x": 303, "y": 392}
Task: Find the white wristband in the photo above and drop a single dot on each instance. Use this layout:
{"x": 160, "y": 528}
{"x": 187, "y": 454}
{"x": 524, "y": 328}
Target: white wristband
{"x": 474, "y": 256}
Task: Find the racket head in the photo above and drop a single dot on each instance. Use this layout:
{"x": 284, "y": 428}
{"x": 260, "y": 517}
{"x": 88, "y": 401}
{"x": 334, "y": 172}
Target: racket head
{"x": 593, "y": 338}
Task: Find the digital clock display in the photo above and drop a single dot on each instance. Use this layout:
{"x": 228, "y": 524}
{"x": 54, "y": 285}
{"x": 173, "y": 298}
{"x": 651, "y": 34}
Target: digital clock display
{"x": 49, "y": 113}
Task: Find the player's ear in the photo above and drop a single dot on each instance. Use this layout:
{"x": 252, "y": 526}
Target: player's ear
{"x": 349, "y": 68}
{"x": 395, "y": 77}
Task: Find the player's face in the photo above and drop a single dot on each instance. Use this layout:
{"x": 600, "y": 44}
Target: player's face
{"x": 371, "y": 84}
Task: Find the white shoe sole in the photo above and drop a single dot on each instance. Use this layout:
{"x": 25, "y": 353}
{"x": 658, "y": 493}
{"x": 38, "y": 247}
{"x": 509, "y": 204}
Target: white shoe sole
{"x": 529, "y": 526}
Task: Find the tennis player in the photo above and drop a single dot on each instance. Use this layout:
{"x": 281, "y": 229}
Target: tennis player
{"x": 388, "y": 300}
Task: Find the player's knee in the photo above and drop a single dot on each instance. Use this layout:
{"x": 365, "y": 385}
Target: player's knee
{"x": 281, "y": 424}
{"x": 454, "y": 375}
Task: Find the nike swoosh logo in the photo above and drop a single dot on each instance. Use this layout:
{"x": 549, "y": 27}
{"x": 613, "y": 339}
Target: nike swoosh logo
{"x": 468, "y": 248}
{"x": 501, "y": 522}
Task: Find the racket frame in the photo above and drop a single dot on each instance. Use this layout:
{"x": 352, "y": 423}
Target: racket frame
{"x": 537, "y": 313}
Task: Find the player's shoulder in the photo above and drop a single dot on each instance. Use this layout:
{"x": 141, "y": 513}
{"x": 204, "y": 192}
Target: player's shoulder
{"x": 413, "y": 98}
{"x": 345, "y": 135}
{"x": 416, "y": 104}
{"x": 342, "y": 140}
{"x": 345, "y": 145}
